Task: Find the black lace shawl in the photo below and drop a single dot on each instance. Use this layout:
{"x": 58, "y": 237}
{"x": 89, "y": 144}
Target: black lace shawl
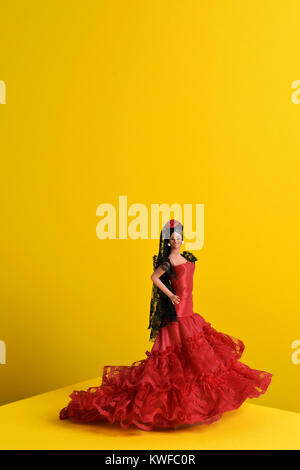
{"x": 162, "y": 310}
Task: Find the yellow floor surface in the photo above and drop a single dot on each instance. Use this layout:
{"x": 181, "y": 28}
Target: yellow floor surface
{"x": 33, "y": 423}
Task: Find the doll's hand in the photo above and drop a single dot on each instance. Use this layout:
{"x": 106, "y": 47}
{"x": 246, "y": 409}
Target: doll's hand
{"x": 175, "y": 299}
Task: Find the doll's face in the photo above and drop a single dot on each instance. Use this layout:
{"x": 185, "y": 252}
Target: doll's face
{"x": 175, "y": 240}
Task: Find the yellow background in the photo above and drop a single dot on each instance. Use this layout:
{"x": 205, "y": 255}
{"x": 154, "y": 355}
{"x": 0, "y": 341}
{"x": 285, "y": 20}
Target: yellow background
{"x": 175, "y": 102}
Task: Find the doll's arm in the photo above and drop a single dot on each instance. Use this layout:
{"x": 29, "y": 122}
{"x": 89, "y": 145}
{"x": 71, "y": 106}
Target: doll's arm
{"x": 159, "y": 271}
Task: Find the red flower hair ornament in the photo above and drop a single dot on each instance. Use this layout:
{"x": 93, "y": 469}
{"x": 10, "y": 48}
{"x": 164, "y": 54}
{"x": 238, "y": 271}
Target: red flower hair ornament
{"x": 172, "y": 223}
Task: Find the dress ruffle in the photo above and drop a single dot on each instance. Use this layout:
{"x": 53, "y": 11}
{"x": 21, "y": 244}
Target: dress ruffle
{"x": 194, "y": 380}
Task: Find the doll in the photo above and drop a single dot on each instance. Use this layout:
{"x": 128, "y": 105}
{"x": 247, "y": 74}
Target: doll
{"x": 192, "y": 374}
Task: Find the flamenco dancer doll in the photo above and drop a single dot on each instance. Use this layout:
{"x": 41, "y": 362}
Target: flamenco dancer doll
{"x": 192, "y": 374}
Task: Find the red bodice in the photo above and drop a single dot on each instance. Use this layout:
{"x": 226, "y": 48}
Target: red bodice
{"x": 183, "y": 287}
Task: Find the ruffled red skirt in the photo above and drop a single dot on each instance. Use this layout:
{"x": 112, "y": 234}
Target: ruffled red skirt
{"x": 192, "y": 375}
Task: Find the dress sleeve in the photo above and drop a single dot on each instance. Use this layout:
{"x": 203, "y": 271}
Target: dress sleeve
{"x": 162, "y": 262}
{"x": 165, "y": 265}
{"x": 190, "y": 256}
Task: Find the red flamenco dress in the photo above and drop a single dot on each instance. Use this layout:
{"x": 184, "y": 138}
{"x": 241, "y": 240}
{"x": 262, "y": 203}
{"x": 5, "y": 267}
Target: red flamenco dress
{"x": 192, "y": 375}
